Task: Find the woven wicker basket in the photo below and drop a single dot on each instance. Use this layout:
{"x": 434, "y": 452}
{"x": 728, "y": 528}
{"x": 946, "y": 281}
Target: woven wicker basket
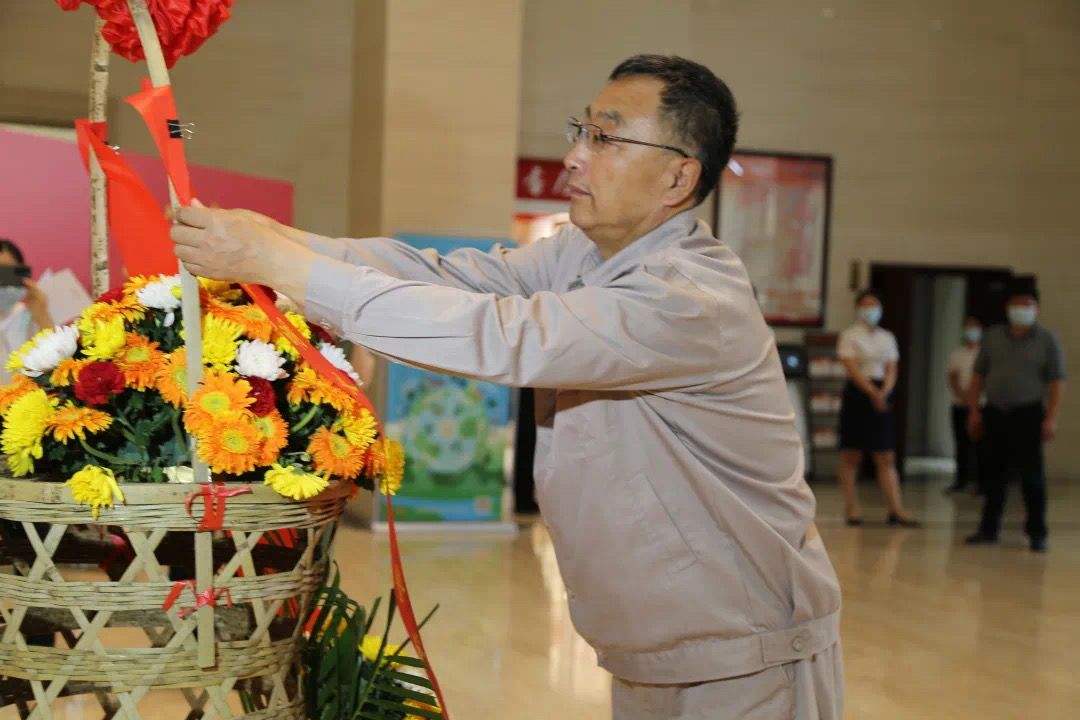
{"x": 254, "y": 643}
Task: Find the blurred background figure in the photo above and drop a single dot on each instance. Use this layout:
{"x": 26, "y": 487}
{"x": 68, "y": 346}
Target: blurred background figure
{"x": 871, "y": 358}
{"x": 961, "y": 366}
{"x": 23, "y": 310}
{"x": 1021, "y": 367}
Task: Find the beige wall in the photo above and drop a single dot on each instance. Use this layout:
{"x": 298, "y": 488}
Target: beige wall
{"x": 263, "y": 102}
{"x": 953, "y": 124}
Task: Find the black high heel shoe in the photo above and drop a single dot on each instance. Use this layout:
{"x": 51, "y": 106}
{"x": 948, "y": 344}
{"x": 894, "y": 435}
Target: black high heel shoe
{"x": 854, "y": 521}
{"x": 897, "y": 521}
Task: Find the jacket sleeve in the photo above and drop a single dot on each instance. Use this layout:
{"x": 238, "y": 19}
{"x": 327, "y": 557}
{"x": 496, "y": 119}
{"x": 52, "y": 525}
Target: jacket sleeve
{"x": 501, "y": 271}
{"x": 647, "y": 332}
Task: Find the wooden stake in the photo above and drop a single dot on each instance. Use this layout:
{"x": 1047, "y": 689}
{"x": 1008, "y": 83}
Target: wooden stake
{"x": 99, "y": 214}
{"x": 189, "y": 284}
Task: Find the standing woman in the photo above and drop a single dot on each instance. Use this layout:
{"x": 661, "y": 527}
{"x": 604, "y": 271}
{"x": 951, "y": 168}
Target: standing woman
{"x": 870, "y": 356}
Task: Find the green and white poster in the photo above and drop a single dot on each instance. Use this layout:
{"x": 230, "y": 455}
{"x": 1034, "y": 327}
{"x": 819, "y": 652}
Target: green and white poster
{"x": 457, "y": 435}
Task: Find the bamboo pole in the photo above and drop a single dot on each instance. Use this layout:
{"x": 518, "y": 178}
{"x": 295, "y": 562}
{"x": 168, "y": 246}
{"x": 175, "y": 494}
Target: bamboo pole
{"x": 204, "y": 568}
{"x": 99, "y": 214}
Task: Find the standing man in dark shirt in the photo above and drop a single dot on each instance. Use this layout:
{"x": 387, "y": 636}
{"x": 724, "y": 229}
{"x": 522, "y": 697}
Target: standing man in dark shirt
{"x": 1021, "y": 368}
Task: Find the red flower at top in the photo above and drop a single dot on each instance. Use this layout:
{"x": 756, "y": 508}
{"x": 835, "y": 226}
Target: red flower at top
{"x": 182, "y": 25}
{"x": 112, "y": 296}
{"x": 322, "y": 333}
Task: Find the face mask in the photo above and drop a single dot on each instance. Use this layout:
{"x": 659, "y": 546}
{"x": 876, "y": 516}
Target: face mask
{"x": 9, "y": 296}
{"x": 972, "y": 334}
{"x": 870, "y": 315}
{"x": 1022, "y": 315}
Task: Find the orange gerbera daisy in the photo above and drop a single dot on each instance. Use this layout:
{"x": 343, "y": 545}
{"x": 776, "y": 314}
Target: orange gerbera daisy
{"x": 72, "y": 421}
{"x": 221, "y": 398}
{"x": 67, "y": 372}
{"x": 20, "y": 385}
{"x": 140, "y": 361}
{"x": 275, "y": 436}
{"x": 133, "y": 285}
{"x": 171, "y": 378}
{"x": 308, "y": 386}
{"x": 251, "y": 318}
{"x": 222, "y": 289}
{"x": 232, "y": 447}
{"x": 333, "y": 454}
{"x": 386, "y": 458}
{"x": 127, "y": 307}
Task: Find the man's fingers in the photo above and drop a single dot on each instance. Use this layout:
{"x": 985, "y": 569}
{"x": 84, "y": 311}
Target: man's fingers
{"x": 187, "y": 236}
{"x": 199, "y": 217}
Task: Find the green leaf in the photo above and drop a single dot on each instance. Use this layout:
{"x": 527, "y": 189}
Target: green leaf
{"x": 411, "y": 679}
{"x": 411, "y": 662}
{"x": 408, "y": 710}
{"x": 401, "y": 692}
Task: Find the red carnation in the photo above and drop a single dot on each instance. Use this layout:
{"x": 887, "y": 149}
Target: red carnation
{"x": 97, "y": 382}
{"x": 113, "y": 296}
{"x": 182, "y": 25}
{"x": 265, "y": 397}
{"x": 320, "y": 332}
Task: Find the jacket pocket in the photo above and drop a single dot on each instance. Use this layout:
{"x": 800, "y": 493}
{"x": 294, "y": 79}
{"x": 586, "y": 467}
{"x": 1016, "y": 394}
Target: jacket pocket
{"x": 659, "y": 526}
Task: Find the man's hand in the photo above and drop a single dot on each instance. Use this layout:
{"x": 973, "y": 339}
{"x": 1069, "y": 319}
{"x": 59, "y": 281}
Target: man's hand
{"x": 975, "y": 424}
{"x": 1049, "y": 429}
{"x": 241, "y": 246}
{"x": 37, "y": 304}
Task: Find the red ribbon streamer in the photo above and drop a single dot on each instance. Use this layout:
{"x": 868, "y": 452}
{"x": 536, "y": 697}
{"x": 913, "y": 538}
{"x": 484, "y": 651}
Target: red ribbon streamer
{"x": 204, "y": 599}
{"x": 214, "y": 496}
{"x": 140, "y": 228}
{"x": 156, "y": 107}
{"x": 119, "y": 549}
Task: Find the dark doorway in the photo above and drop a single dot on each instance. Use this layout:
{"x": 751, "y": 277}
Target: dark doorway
{"x": 524, "y": 452}
{"x": 908, "y": 294}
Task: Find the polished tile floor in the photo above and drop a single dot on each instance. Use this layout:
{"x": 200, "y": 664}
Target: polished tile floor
{"x": 931, "y": 629}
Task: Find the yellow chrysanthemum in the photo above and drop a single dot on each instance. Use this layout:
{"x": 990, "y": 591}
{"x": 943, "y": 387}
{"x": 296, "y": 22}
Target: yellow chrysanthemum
{"x": 140, "y": 361}
{"x": 359, "y": 429}
{"x": 20, "y": 386}
{"x": 275, "y": 435}
{"x": 292, "y": 482}
{"x": 386, "y": 458}
{"x": 220, "y": 340}
{"x": 370, "y": 645}
{"x": 233, "y": 446}
{"x": 221, "y": 397}
{"x": 283, "y": 344}
{"x": 72, "y": 421}
{"x": 251, "y": 319}
{"x": 67, "y": 372}
{"x": 332, "y": 454}
{"x": 96, "y": 487}
{"x": 24, "y": 426}
{"x": 308, "y": 386}
{"x": 102, "y": 339}
{"x": 221, "y": 289}
{"x": 172, "y": 380}
{"x": 133, "y": 285}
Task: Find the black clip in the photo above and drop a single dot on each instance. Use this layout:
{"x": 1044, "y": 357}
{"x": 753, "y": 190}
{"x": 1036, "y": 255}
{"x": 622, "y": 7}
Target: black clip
{"x": 179, "y": 130}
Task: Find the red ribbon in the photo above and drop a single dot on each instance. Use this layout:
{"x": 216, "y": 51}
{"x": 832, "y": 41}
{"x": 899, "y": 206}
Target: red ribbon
{"x": 158, "y": 108}
{"x": 204, "y": 599}
{"x": 119, "y": 548}
{"x": 213, "y": 495}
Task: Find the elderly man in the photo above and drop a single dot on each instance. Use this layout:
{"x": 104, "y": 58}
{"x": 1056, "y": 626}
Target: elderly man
{"x": 668, "y": 467}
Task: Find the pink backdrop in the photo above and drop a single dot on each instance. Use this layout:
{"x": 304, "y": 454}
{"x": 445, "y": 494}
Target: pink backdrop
{"x": 45, "y": 200}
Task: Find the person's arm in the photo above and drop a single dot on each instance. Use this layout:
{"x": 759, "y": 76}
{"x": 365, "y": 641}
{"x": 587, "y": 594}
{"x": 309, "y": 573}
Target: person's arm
{"x": 954, "y": 383}
{"x": 974, "y": 402}
{"x": 38, "y": 305}
{"x": 650, "y": 332}
{"x": 892, "y": 372}
{"x": 1055, "y": 391}
{"x": 855, "y": 374}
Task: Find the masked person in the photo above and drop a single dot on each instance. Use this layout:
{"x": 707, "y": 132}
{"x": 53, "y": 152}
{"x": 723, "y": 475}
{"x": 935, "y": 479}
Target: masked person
{"x": 23, "y": 310}
{"x": 960, "y": 369}
{"x": 870, "y": 356}
{"x": 1021, "y": 369}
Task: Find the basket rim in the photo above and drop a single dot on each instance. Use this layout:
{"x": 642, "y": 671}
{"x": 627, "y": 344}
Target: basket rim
{"x": 57, "y": 492}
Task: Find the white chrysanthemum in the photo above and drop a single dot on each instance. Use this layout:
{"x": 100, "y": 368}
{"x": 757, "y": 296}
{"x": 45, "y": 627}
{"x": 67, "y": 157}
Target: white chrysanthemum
{"x": 255, "y": 358}
{"x": 180, "y": 474}
{"x": 51, "y": 347}
{"x": 163, "y": 294}
{"x": 337, "y": 358}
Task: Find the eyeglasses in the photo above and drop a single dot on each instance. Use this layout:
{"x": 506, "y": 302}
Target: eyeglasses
{"x": 595, "y": 138}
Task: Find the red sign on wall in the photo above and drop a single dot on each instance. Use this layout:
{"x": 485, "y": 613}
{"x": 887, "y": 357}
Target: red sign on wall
{"x": 541, "y": 179}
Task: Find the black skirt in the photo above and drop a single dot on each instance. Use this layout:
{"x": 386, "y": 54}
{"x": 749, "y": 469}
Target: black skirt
{"x": 862, "y": 427}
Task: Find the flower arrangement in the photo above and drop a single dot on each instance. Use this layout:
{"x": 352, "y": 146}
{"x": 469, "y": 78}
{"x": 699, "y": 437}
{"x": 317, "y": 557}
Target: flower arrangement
{"x": 104, "y": 400}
